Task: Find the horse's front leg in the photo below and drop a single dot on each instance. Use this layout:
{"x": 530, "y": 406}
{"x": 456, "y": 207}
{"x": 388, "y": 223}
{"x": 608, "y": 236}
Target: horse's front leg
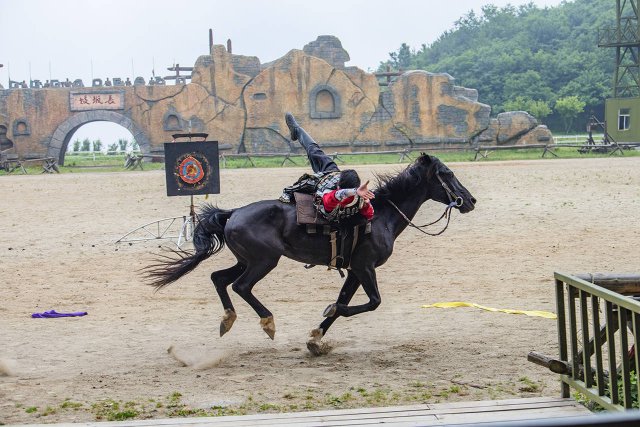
{"x": 367, "y": 277}
{"x": 314, "y": 344}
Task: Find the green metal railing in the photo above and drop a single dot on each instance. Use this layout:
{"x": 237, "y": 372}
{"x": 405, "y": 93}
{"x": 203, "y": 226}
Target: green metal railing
{"x": 598, "y": 326}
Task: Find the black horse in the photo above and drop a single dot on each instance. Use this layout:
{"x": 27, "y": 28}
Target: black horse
{"x": 260, "y": 233}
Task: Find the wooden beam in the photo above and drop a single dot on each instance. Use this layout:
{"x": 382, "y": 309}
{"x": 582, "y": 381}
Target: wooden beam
{"x": 625, "y": 284}
{"x": 554, "y": 365}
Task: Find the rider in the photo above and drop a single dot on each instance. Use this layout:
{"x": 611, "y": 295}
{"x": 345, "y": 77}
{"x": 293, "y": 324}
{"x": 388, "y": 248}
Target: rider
{"x": 339, "y": 194}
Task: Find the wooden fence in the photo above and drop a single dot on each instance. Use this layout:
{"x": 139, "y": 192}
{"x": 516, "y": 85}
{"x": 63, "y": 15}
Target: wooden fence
{"x": 598, "y": 328}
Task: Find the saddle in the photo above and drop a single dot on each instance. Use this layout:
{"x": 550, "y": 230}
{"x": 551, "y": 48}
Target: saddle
{"x": 343, "y": 237}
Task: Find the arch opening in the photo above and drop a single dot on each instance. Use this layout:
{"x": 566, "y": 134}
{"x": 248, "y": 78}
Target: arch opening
{"x": 5, "y": 143}
{"x": 100, "y": 137}
{"x": 61, "y": 141}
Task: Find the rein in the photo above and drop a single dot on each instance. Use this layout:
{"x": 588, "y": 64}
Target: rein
{"x": 446, "y": 213}
{"x": 454, "y": 201}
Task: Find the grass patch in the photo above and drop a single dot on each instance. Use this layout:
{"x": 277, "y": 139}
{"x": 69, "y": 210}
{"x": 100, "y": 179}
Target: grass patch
{"x": 528, "y": 386}
{"x": 112, "y": 410}
{"x": 115, "y": 163}
{"x": 302, "y": 399}
{"x": 68, "y": 404}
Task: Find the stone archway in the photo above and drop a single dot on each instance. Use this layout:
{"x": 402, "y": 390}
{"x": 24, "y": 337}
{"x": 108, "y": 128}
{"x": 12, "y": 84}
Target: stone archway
{"x": 63, "y": 133}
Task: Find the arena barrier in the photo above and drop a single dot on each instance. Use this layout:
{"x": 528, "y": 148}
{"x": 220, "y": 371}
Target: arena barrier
{"x": 598, "y": 326}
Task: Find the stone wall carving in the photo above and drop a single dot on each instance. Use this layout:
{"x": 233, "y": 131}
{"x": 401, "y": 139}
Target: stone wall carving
{"x": 241, "y": 103}
{"x": 325, "y": 102}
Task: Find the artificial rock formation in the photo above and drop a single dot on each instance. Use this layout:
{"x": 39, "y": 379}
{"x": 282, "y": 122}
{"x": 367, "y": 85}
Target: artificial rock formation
{"x": 515, "y": 128}
{"x": 241, "y": 103}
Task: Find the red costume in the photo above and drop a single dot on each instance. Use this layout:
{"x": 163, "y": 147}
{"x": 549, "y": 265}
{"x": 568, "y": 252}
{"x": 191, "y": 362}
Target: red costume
{"x": 330, "y": 202}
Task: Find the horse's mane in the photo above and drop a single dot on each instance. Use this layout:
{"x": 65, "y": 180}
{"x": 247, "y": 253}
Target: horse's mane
{"x": 395, "y": 187}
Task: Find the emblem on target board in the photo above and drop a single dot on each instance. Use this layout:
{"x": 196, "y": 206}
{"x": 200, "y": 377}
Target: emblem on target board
{"x": 192, "y": 168}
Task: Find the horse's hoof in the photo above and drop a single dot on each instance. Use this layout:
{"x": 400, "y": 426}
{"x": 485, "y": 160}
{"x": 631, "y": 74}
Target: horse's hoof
{"x": 227, "y": 321}
{"x": 330, "y": 311}
{"x": 268, "y": 326}
{"x": 315, "y": 345}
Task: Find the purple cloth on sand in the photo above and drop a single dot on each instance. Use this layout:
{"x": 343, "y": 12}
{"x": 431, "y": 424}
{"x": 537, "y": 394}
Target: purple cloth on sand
{"x": 52, "y": 313}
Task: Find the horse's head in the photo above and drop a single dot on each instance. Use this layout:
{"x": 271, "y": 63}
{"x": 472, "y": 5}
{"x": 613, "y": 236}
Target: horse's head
{"x": 445, "y": 187}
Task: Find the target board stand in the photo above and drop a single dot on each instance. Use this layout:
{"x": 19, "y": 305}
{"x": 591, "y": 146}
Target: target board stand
{"x": 191, "y": 168}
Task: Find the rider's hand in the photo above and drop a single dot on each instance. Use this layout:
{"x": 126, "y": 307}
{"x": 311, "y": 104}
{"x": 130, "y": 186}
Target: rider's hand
{"x": 364, "y": 192}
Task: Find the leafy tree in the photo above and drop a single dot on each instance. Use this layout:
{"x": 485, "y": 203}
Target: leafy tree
{"x": 402, "y": 58}
{"x": 123, "y": 143}
{"x": 86, "y": 144}
{"x": 538, "y": 109}
{"x": 135, "y": 146}
{"x": 76, "y": 145}
{"x": 542, "y": 54}
{"x": 112, "y": 148}
{"x": 569, "y": 107}
{"x": 97, "y": 145}
{"x": 519, "y": 103}
{"x": 528, "y": 85}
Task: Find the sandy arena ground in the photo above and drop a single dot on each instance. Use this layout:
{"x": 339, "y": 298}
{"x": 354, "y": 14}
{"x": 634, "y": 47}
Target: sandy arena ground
{"x": 57, "y": 251}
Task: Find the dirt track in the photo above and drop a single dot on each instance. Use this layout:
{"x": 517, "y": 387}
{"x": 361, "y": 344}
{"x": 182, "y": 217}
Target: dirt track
{"x": 57, "y": 252}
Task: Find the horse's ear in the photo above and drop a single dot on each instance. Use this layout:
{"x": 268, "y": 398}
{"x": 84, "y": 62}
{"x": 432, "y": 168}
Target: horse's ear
{"x": 425, "y": 158}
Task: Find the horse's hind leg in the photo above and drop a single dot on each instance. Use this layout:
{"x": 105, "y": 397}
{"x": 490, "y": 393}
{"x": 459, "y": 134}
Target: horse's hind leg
{"x": 221, "y": 280}
{"x": 245, "y": 283}
{"x": 314, "y": 344}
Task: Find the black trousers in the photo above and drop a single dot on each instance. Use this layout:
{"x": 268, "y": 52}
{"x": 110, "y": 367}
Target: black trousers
{"x": 320, "y": 162}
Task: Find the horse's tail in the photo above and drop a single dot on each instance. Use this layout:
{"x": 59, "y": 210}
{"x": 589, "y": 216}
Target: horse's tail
{"x": 208, "y": 240}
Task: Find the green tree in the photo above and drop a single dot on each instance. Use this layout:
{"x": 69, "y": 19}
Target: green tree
{"x": 123, "y": 143}
{"x": 76, "y": 145}
{"x": 135, "y": 146}
{"x": 538, "y": 53}
{"x": 86, "y": 144}
{"x": 569, "y": 107}
{"x": 537, "y": 108}
{"x": 401, "y": 59}
{"x": 97, "y": 145}
{"x": 529, "y": 84}
{"x": 112, "y": 149}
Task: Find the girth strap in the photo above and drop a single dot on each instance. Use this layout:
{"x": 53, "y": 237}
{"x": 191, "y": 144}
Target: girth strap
{"x": 341, "y": 246}
{"x": 333, "y": 240}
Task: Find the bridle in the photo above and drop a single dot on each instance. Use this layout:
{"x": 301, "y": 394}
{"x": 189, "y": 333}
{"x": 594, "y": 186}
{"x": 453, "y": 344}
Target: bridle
{"x": 454, "y": 201}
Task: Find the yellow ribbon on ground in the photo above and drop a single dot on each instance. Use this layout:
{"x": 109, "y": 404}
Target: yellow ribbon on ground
{"x": 534, "y": 313}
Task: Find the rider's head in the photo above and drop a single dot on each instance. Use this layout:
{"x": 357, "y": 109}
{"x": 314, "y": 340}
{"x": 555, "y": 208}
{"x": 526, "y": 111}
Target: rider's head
{"x": 349, "y": 179}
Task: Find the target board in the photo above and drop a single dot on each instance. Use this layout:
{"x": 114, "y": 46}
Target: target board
{"x": 192, "y": 168}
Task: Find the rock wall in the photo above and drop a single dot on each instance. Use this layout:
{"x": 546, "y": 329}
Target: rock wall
{"x": 241, "y": 103}
{"x": 515, "y": 128}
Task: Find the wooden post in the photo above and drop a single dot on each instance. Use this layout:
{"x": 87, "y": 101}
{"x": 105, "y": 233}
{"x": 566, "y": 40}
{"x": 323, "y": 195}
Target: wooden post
{"x": 229, "y": 45}
{"x": 210, "y": 41}
{"x": 562, "y": 332}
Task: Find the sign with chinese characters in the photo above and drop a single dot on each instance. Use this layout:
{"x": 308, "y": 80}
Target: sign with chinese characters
{"x": 81, "y": 101}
